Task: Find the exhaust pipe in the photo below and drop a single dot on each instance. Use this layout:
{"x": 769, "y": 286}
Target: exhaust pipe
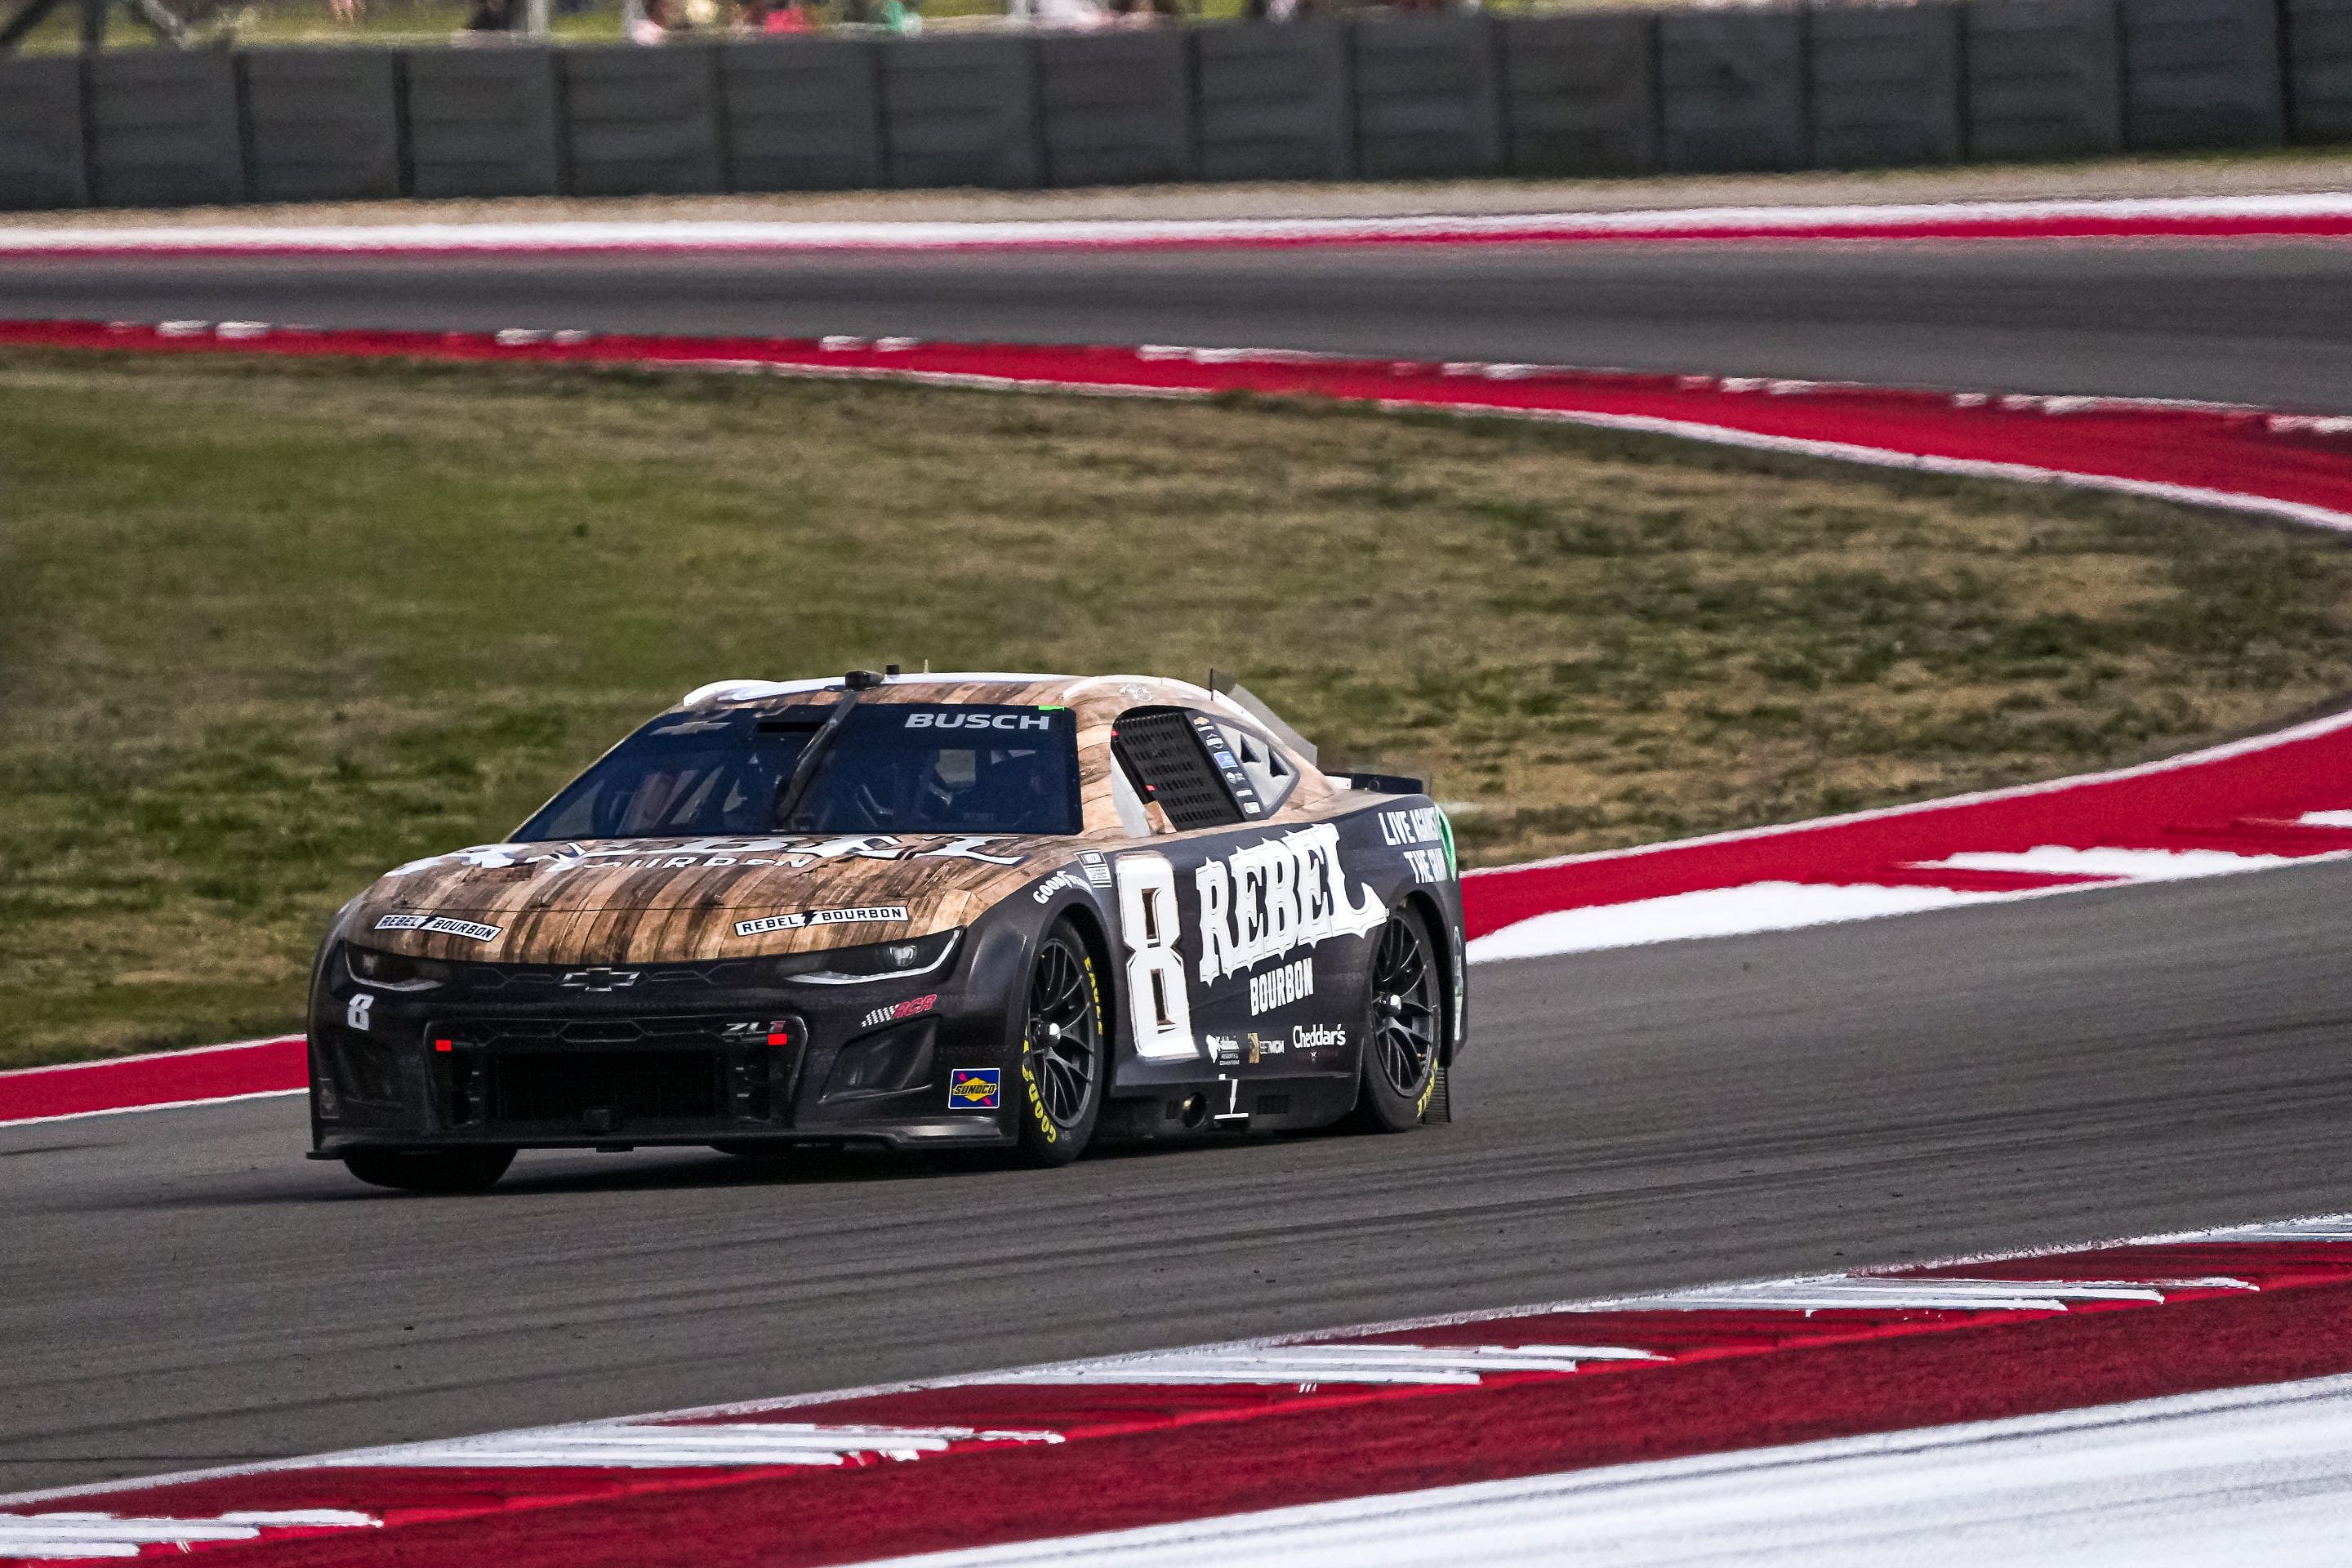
{"x": 1196, "y": 1111}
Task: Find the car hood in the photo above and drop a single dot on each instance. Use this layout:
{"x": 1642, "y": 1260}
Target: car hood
{"x": 650, "y": 900}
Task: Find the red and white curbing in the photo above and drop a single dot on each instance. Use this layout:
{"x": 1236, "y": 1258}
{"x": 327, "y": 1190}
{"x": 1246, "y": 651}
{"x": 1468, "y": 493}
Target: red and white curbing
{"x": 1498, "y": 1425}
{"x": 2326, "y": 215}
{"x": 2275, "y": 799}
{"x": 2296, "y": 467}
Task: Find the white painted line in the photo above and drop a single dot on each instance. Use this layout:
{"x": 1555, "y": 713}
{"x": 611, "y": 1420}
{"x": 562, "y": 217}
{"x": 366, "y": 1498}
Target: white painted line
{"x": 66, "y": 1536}
{"x": 103, "y": 1063}
{"x": 1319, "y": 1363}
{"x": 651, "y": 1445}
{"x": 2125, "y": 865}
{"x": 1741, "y": 910}
{"x": 702, "y": 234}
{"x": 1866, "y": 1292}
{"x": 9, "y": 1122}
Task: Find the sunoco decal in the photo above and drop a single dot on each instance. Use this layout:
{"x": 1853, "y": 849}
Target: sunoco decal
{"x": 442, "y": 925}
{"x": 975, "y": 1089}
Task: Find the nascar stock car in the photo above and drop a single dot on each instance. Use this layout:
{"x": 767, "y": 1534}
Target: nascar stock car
{"x": 1004, "y": 911}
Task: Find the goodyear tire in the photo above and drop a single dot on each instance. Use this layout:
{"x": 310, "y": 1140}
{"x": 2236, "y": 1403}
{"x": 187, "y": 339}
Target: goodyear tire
{"x": 1059, "y": 1088}
{"x": 1403, "y": 1027}
{"x": 430, "y": 1170}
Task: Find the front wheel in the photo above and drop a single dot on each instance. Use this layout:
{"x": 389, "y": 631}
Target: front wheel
{"x": 430, "y": 1170}
{"x": 1402, "y": 1029}
{"x": 1063, "y": 1062}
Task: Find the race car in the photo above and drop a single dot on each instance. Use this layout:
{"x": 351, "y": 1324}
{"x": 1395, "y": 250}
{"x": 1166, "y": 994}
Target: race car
{"x": 1020, "y": 912}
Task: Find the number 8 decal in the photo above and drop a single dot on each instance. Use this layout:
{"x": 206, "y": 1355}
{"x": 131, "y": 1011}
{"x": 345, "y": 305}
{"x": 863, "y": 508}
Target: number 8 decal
{"x": 1156, "y": 998}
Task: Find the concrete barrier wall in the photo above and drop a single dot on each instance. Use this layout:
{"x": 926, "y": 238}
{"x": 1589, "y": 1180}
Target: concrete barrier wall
{"x": 961, "y": 111}
{"x": 1428, "y": 97}
{"x": 1885, "y": 86}
{"x": 1272, "y": 103}
{"x": 801, "y": 114}
{"x": 643, "y": 122}
{"x": 2319, "y": 68}
{"x": 1115, "y": 108}
{"x": 1581, "y": 94}
{"x": 321, "y": 124}
{"x": 1732, "y": 89}
{"x": 1381, "y": 96}
{"x": 163, "y": 128}
{"x": 42, "y": 160}
{"x": 2202, "y": 73}
{"x": 2044, "y": 79}
{"x": 483, "y": 122}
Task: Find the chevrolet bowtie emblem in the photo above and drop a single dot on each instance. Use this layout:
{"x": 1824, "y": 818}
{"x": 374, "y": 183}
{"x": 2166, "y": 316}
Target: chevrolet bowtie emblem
{"x": 600, "y": 979}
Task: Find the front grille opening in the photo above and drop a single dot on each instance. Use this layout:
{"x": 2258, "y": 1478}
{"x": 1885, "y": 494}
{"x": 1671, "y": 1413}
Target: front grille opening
{"x": 632, "y": 1086}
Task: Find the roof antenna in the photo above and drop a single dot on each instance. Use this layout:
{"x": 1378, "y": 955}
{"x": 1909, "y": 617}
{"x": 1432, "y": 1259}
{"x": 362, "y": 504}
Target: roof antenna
{"x": 890, "y": 669}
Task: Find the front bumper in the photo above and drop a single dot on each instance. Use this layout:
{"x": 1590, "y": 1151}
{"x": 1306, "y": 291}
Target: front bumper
{"x": 674, "y": 1059}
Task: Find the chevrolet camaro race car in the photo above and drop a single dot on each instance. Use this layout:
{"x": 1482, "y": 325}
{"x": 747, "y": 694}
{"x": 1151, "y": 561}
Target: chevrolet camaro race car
{"x": 1004, "y": 911}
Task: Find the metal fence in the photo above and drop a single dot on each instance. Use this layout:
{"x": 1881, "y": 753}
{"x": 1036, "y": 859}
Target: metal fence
{"x": 1372, "y": 96}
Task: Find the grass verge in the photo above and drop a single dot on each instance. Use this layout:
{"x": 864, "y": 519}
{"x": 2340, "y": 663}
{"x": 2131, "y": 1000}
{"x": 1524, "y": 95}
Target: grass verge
{"x": 267, "y": 628}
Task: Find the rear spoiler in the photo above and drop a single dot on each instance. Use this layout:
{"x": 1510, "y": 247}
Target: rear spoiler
{"x": 1383, "y": 783}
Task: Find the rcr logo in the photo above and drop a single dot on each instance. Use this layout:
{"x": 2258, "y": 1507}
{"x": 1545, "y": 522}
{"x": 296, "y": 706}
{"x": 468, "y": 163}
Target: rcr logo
{"x": 977, "y": 722}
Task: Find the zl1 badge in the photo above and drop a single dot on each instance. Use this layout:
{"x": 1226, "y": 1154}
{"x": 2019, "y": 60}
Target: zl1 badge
{"x": 975, "y": 1089}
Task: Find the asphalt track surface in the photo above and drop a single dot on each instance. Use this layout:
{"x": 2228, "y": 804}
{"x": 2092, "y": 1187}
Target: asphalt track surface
{"x": 182, "y": 1289}
{"x": 2263, "y": 322}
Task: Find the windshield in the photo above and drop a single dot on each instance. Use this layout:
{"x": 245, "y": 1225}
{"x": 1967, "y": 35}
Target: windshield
{"x": 961, "y": 768}
{"x": 685, "y": 777}
{"x": 889, "y": 768}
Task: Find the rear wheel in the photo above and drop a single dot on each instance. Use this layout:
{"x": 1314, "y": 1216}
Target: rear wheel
{"x": 430, "y": 1170}
{"x": 1402, "y": 1027}
{"x": 1063, "y": 1062}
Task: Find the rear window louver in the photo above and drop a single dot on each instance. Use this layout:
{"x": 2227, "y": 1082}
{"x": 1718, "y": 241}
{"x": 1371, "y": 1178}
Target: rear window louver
{"x": 1166, "y": 760}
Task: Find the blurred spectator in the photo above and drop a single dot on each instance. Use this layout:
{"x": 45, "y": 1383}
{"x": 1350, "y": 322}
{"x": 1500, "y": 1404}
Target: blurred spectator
{"x": 787, "y": 18}
{"x": 1076, "y": 16}
{"x": 645, "y": 21}
{"x": 899, "y": 16}
{"x": 492, "y": 16}
{"x": 347, "y": 12}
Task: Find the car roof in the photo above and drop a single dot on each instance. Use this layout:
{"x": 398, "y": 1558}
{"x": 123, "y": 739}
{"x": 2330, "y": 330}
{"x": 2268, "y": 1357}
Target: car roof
{"x": 1093, "y": 699}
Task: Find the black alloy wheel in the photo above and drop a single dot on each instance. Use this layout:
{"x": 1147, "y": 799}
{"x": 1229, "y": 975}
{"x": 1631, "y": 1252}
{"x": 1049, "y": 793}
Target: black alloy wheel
{"x": 1062, "y": 1057}
{"x": 1403, "y": 1030}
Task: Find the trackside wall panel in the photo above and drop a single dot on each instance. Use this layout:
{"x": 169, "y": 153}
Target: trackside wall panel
{"x": 321, "y": 124}
{"x": 2044, "y": 79}
{"x": 801, "y": 114}
{"x": 1273, "y": 102}
{"x": 1885, "y": 86}
{"x": 642, "y": 122}
{"x": 1115, "y": 108}
{"x": 961, "y": 111}
{"x": 1581, "y": 94}
{"x": 41, "y": 153}
{"x": 163, "y": 129}
{"x": 1428, "y": 96}
{"x": 1733, "y": 90}
{"x": 2202, "y": 73}
{"x": 2319, "y": 68}
{"x": 482, "y": 122}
